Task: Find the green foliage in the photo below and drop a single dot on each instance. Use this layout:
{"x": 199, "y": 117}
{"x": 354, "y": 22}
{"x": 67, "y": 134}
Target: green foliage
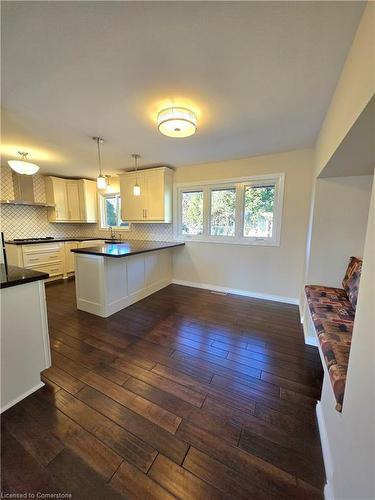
{"x": 259, "y": 202}
{"x": 192, "y": 213}
{"x": 111, "y": 212}
{"x": 223, "y": 212}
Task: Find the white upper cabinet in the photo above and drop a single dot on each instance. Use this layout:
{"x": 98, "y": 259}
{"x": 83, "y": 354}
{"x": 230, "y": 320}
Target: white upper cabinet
{"x": 155, "y": 202}
{"x": 75, "y": 200}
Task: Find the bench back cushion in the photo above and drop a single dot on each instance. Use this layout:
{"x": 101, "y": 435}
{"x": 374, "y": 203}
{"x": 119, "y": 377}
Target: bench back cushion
{"x": 351, "y": 280}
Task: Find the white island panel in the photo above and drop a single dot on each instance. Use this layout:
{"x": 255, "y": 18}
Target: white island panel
{"x": 25, "y": 349}
{"x": 105, "y": 285}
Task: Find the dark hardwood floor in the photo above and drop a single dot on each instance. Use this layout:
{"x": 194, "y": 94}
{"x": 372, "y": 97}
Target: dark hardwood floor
{"x": 186, "y": 394}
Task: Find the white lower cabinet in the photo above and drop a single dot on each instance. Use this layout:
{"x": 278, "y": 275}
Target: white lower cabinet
{"x": 54, "y": 258}
{"x": 69, "y": 257}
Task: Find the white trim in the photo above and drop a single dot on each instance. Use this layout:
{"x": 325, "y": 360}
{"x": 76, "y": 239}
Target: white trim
{"x": 230, "y": 180}
{"x": 240, "y": 184}
{"x": 327, "y": 457}
{"x": 23, "y": 396}
{"x": 236, "y": 291}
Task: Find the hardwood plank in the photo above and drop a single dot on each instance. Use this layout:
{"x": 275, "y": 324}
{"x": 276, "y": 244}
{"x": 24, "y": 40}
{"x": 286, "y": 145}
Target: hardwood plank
{"x": 181, "y": 391}
{"x": 155, "y": 436}
{"x": 286, "y": 458}
{"x": 92, "y": 451}
{"x": 222, "y": 477}
{"x": 130, "y": 482}
{"x": 21, "y": 472}
{"x": 75, "y": 477}
{"x": 261, "y": 472}
{"x": 180, "y": 482}
{"x": 121, "y": 441}
{"x": 164, "y": 399}
{"x": 68, "y": 365}
{"x": 31, "y": 435}
{"x": 62, "y": 379}
{"x": 149, "y": 410}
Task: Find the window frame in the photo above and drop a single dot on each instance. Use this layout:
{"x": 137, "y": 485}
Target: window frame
{"x": 239, "y": 184}
{"x": 102, "y": 213}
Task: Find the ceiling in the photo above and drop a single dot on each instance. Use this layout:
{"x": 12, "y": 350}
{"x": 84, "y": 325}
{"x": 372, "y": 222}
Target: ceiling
{"x": 260, "y": 76}
{"x": 356, "y": 153}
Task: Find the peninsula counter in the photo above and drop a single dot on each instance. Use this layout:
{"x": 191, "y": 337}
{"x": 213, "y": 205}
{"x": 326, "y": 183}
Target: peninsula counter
{"x": 111, "y": 277}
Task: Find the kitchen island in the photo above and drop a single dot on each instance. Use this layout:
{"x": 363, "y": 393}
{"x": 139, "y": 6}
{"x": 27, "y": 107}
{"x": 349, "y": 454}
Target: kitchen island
{"x": 110, "y": 277}
{"x": 25, "y": 349}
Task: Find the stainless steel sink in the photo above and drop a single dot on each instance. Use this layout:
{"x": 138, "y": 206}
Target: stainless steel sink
{"x": 114, "y": 241}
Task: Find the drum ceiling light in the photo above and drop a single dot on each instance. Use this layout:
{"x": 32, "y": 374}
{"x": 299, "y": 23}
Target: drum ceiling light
{"x": 177, "y": 122}
{"x": 22, "y": 166}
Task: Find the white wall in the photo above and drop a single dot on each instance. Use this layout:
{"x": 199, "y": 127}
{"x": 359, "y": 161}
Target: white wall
{"x": 354, "y": 90}
{"x": 341, "y": 206}
{"x": 349, "y": 438}
{"x": 262, "y": 270}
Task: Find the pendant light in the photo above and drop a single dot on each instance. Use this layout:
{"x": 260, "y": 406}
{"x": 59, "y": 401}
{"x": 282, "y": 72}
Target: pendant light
{"x": 22, "y": 166}
{"x": 136, "y": 187}
{"x": 101, "y": 181}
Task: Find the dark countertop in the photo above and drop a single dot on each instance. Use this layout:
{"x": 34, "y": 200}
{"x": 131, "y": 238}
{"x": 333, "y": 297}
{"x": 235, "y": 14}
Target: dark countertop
{"x": 32, "y": 242}
{"x": 19, "y": 275}
{"x": 128, "y": 248}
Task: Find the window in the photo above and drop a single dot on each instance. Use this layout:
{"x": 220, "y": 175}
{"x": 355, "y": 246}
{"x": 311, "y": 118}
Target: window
{"x": 258, "y": 212}
{"x": 243, "y": 211}
{"x": 223, "y": 212}
{"x": 192, "y": 213}
{"x": 110, "y": 209}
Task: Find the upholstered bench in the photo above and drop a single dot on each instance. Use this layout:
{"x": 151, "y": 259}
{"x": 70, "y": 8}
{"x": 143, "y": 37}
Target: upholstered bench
{"x": 332, "y": 312}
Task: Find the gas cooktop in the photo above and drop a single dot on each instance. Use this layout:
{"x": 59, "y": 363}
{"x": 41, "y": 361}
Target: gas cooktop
{"x": 34, "y": 239}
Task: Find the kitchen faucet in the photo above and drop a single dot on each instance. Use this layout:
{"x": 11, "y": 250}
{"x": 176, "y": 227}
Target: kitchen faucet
{"x": 113, "y": 235}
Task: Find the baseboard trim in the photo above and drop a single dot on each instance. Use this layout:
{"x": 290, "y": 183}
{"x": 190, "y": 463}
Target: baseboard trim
{"x": 235, "y": 291}
{"x": 23, "y": 396}
{"x": 328, "y": 490}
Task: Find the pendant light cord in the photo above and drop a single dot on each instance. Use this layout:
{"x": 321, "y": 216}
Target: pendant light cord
{"x": 99, "y": 157}
{"x": 136, "y": 156}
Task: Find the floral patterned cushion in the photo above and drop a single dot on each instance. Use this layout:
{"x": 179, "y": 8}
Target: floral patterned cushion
{"x": 351, "y": 280}
{"x": 333, "y": 318}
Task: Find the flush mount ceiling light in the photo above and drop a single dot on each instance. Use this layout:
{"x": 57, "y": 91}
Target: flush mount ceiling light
{"x": 136, "y": 187}
{"x": 101, "y": 181}
{"x": 177, "y": 122}
{"x": 23, "y": 166}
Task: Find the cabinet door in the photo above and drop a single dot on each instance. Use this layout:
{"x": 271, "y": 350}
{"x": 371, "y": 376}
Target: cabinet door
{"x": 60, "y": 199}
{"x": 89, "y": 201}
{"x": 69, "y": 256}
{"x": 154, "y": 194}
{"x": 132, "y": 207}
{"x": 73, "y": 199}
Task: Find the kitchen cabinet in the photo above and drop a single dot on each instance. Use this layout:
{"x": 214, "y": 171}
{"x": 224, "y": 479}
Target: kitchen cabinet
{"x": 45, "y": 257}
{"x": 69, "y": 257}
{"x": 75, "y": 200}
{"x": 56, "y": 194}
{"x": 155, "y": 202}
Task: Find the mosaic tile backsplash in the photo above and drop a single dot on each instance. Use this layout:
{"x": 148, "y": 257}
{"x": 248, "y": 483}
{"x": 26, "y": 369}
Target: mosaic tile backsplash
{"x": 20, "y": 221}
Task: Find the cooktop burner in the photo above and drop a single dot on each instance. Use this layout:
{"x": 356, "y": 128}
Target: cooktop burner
{"x": 34, "y": 239}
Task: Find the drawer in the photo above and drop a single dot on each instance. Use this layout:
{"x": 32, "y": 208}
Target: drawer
{"x": 53, "y": 269}
{"x": 42, "y": 247}
{"x": 31, "y": 259}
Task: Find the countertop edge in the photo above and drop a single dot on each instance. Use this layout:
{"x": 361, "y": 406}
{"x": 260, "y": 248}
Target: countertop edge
{"x": 39, "y": 276}
{"x": 90, "y": 250}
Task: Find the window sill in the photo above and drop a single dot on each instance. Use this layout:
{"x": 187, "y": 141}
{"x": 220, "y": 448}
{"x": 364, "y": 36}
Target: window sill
{"x": 227, "y": 241}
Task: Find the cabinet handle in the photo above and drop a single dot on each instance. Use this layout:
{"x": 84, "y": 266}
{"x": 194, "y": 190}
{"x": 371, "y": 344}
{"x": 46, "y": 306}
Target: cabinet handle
{"x": 145, "y": 213}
